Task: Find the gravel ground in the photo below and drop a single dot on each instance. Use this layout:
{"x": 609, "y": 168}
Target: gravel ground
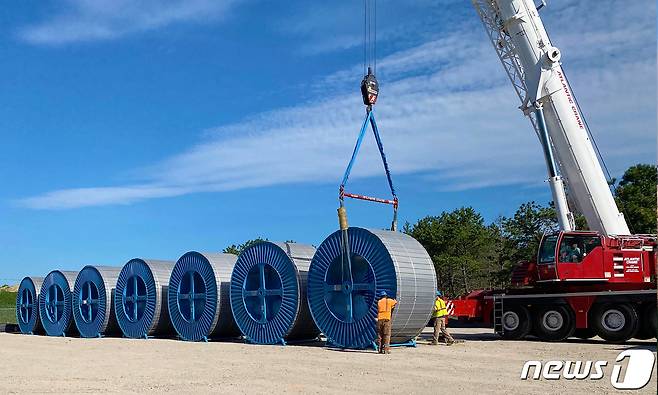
{"x": 481, "y": 364}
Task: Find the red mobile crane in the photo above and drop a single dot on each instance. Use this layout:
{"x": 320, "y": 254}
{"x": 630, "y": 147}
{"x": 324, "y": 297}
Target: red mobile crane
{"x": 598, "y": 282}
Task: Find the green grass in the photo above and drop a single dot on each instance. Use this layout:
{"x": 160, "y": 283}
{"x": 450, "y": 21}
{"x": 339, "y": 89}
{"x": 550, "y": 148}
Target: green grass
{"x": 7, "y": 307}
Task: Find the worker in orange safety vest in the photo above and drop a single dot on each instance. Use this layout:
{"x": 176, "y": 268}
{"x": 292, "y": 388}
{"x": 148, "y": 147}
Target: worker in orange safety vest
{"x": 385, "y": 307}
{"x": 440, "y": 314}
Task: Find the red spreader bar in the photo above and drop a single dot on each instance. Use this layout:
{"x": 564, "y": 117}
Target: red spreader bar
{"x": 393, "y": 202}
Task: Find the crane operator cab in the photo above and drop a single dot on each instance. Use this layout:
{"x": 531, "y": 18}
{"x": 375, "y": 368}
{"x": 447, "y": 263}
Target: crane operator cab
{"x": 571, "y": 256}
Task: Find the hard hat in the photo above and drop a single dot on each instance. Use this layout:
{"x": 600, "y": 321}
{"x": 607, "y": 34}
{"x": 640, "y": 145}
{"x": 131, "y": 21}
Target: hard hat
{"x": 438, "y": 293}
{"x": 381, "y": 293}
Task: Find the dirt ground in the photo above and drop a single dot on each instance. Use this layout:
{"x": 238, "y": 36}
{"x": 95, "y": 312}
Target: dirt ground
{"x": 482, "y": 364}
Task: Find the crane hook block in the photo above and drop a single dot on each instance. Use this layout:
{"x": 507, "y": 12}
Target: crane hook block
{"x": 369, "y": 88}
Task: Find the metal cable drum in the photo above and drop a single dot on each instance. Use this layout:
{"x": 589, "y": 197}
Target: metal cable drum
{"x": 93, "y": 302}
{"x": 140, "y": 298}
{"x": 199, "y": 304}
{"x": 268, "y": 293}
{"x": 344, "y": 306}
{"x": 55, "y": 303}
{"x": 27, "y": 305}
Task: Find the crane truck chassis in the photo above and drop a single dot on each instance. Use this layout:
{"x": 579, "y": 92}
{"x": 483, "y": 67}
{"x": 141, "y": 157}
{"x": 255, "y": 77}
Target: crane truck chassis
{"x": 582, "y": 283}
{"x": 608, "y": 290}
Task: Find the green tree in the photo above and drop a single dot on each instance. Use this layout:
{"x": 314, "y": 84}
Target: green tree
{"x": 237, "y": 249}
{"x": 636, "y": 197}
{"x": 578, "y": 218}
{"x": 504, "y": 257}
{"x": 523, "y": 231}
{"x": 461, "y": 246}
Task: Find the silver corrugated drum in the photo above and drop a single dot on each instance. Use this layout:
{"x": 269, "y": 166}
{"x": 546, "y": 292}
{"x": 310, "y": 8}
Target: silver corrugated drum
{"x": 268, "y": 293}
{"x": 55, "y": 310}
{"x": 93, "y": 301}
{"x": 199, "y": 304}
{"x": 344, "y": 304}
{"x": 27, "y": 305}
{"x": 303, "y": 327}
{"x": 141, "y": 298}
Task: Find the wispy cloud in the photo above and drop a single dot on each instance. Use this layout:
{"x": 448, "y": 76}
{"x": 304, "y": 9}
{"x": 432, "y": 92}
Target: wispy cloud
{"x": 399, "y": 24}
{"x": 91, "y": 20}
{"x": 85, "y": 197}
{"x": 446, "y": 113}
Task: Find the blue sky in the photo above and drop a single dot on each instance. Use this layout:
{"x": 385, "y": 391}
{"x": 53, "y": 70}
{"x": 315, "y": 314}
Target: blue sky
{"x": 157, "y": 127}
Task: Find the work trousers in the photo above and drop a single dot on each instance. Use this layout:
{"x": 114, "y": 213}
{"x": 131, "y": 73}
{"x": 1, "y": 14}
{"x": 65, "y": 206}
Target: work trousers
{"x": 440, "y": 328}
{"x": 383, "y": 335}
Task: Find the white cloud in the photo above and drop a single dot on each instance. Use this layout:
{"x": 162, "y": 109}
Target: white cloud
{"x": 91, "y": 20}
{"x": 446, "y": 112}
{"x": 85, "y": 197}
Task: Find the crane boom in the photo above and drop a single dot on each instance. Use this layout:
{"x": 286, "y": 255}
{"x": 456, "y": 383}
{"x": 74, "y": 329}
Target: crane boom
{"x": 533, "y": 65}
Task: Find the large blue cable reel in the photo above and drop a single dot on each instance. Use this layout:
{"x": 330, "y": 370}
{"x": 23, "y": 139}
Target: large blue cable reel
{"x": 93, "y": 301}
{"x": 344, "y": 305}
{"x": 199, "y": 305}
{"x": 27, "y": 305}
{"x": 55, "y": 303}
{"x": 268, "y": 293}
{"x": 140, "y": 298}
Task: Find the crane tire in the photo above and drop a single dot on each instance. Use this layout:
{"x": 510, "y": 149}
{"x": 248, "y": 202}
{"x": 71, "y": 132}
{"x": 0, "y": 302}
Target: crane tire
{"x": 516, "y": 322}
{"x": 554, "y": 323}
{"x": 648, "y": 322}
{"x": 616, "y": 323}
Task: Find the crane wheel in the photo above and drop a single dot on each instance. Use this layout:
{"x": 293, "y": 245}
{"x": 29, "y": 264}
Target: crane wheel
{"x": 648, "y": 322}
{"x": 651, "y": 317}
{"x": 554, "y": 323}
{"x": 616, "y": 323}
{"x": 516, "y": 322}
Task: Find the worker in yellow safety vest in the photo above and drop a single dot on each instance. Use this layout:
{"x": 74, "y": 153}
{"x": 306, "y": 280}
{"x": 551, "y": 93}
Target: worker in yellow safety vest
{"x": 385, "y": 307}
{"x": 440, "y": 314}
